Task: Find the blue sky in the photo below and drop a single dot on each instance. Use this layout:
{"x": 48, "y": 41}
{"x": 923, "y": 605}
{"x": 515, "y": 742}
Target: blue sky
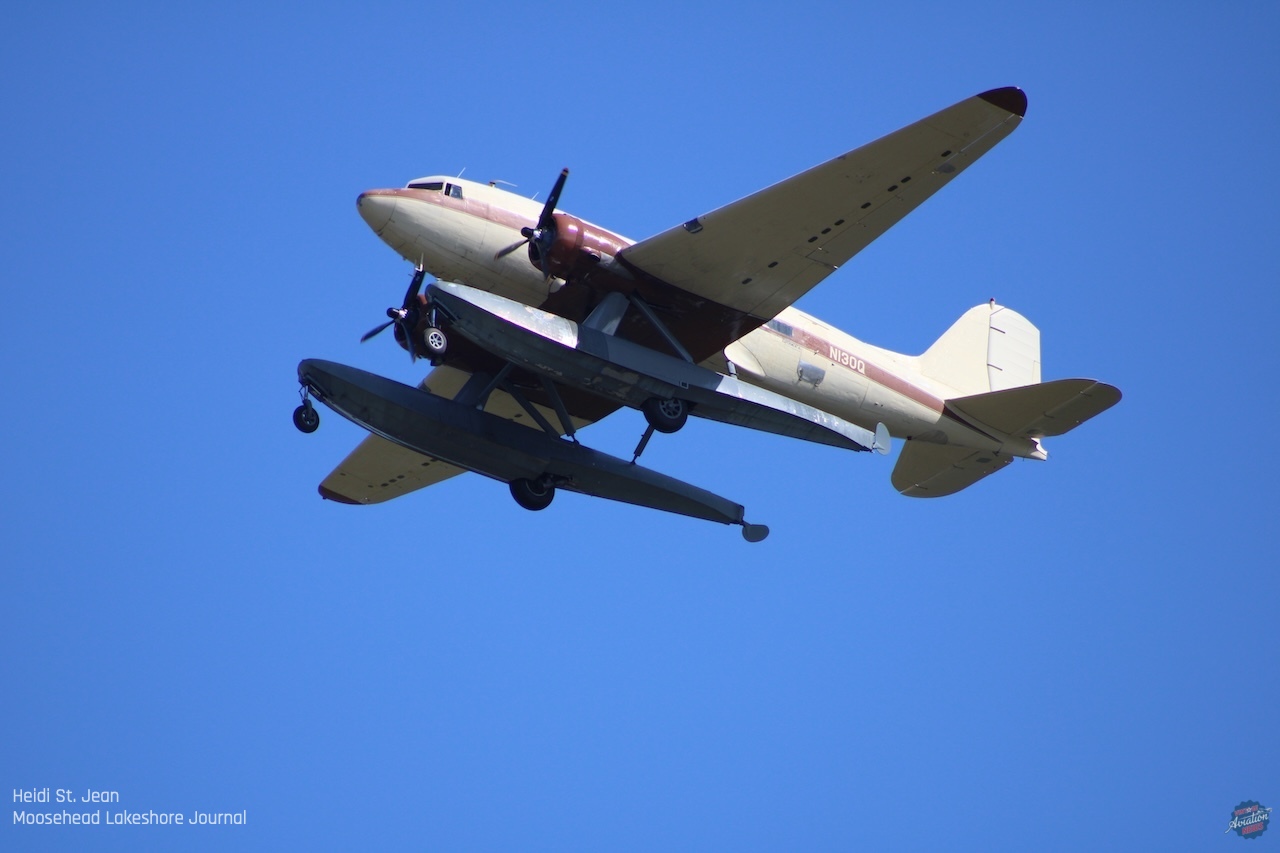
{"x": 1072, "y": 655}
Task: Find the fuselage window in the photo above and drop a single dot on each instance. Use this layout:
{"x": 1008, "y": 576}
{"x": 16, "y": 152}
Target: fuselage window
{"x": 427, "y": 185}
{"x": 453, "y": 190}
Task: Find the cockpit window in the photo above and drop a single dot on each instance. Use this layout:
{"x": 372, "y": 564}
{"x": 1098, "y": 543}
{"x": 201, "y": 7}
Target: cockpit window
{"x": 779, "y": 326}
{"x": 451, "y": 190}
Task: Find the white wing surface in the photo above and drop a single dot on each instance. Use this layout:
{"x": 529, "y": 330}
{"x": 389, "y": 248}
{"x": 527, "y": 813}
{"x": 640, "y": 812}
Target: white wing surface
{"x": 762, "y": 253}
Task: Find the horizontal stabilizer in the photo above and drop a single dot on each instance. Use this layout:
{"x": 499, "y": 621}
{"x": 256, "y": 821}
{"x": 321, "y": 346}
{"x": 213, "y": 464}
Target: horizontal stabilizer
{"x": 1050, "y": 408}
{"x": 927, "y": 470}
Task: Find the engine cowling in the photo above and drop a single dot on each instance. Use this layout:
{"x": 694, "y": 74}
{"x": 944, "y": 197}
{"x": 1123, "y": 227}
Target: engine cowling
{"x": 575, "y": 248}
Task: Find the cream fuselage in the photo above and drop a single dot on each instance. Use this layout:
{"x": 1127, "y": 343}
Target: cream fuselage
{"x": 461, "y": 237}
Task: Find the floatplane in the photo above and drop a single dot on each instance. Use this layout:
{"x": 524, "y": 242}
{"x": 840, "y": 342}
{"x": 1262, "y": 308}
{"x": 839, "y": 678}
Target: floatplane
{"x": 539, "y": 323}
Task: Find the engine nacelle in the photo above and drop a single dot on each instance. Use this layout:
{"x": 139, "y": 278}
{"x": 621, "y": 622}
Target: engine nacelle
{"x": 577, "y": 247}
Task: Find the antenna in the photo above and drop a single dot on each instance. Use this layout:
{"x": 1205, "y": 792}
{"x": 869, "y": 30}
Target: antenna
{"x": 494, "y": 183}
{"x": 464, "y": 168}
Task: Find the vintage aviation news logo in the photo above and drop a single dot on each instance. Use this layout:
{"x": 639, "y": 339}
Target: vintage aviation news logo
{"x": 1250, "y": 819}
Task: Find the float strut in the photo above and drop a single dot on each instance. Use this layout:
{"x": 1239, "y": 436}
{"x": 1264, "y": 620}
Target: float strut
{"x": 644, "y": 442}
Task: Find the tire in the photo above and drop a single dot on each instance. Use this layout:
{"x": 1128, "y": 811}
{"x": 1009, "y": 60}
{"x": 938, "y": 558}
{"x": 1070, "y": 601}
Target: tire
{"x": 306, "y": 418}
{"x": 531, "y": 495}
{"x": 435, "y": 342}
{"x": 666, "y": 415}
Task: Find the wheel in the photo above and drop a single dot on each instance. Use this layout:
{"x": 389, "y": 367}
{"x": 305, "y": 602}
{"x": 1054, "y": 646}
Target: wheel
{"x": 665, "y": 415}
{"x": 306, "y": 418}
{"x": 532, "y": 495}
{"x": 435, "y": 341}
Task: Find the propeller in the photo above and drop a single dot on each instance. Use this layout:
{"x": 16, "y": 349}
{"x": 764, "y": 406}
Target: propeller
{"x": 542, "y": 235}
{"x": 406, "y": 316}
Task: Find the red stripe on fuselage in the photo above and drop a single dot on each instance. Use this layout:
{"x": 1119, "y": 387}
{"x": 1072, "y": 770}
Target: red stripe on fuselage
{"x": 892, "y": 381}
{"x": 596, "y": 238}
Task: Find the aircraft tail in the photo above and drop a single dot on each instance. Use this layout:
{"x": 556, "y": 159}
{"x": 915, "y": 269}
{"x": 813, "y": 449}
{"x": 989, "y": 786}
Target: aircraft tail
{"x": 1035, "y": 411}
{"x": 991, "y": 357}
{"x": 1029, "y": 413}
{"x": 926, "y": 470}
{"x": 990, "y": 348}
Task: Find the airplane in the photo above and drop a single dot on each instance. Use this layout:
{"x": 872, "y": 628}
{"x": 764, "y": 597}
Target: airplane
{"x": 540, "y": 323}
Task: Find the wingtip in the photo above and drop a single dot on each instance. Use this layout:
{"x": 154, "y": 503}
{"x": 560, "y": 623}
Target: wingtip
{"x": 330, "y": 495}
{"x": 1010, "y": 99}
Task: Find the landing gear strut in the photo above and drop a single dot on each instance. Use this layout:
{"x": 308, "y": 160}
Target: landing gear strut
{"x": 533, "y": 495}
{"x": 305, "y": 417}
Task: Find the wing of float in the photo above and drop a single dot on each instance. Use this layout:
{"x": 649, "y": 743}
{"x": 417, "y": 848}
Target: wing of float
{"x": 379, "y": 470}
{"x": 762, "y": 253}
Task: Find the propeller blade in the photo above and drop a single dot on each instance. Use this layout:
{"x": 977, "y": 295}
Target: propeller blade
{"x": 404, "y": 318}
{"x": 406, "y": 321}
{"x": 502, "y": 253}
{"x": 414, "y": 286}
{"x": 545, "y": 219}
{"x": 373, "y": 332}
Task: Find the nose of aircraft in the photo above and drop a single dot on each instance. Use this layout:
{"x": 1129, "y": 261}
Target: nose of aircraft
{"x": 376, "y": 208}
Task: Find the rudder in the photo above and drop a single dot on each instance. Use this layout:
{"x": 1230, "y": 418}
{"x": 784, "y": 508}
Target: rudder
{"x": 990, "y": 348}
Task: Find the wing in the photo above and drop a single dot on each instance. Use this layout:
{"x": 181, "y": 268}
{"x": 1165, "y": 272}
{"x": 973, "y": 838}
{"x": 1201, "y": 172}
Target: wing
{"x": 379, "y": 470}
{"x": 762, "y": 253}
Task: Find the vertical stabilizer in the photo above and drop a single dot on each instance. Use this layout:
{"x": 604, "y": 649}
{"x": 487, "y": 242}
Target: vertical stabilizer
{"x": 990, "y": 348}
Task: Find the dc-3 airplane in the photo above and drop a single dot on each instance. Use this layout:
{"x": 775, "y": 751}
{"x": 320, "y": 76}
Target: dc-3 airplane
{"x": 540, "y": 323}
